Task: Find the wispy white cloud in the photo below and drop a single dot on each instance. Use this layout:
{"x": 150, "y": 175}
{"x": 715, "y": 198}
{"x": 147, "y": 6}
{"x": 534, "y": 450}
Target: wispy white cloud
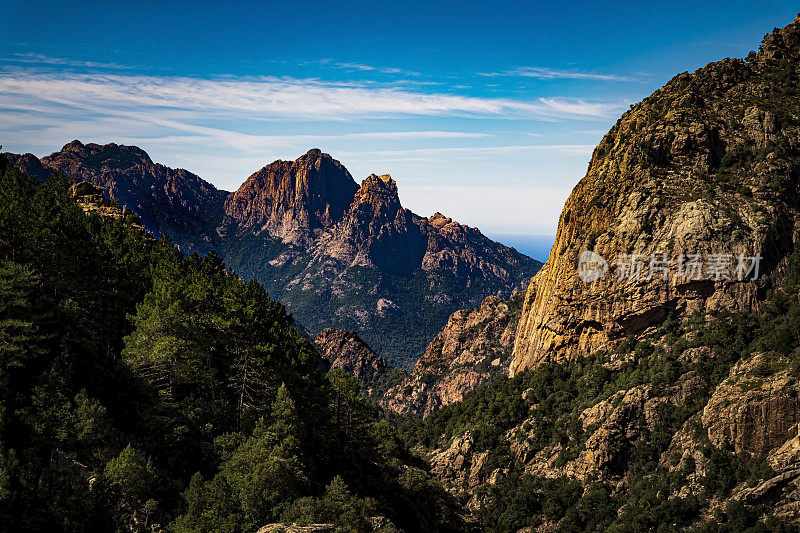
{"x": 369, "y": 68}
{"x": 543, "y": 73}
{"x": 39, "y": 59}
{"x": 265, "y": 98}
{"x": 225, "y": 128}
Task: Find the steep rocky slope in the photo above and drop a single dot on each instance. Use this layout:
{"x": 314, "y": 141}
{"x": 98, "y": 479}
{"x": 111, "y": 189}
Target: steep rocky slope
{"x": 293, "y": 200}
{"x": 473, "y": 348}
{"x": 337, "y": 253}
{"x": 345, "y": 349}
{"x": 656, "y": 404}
{"x": 706, "y": 165}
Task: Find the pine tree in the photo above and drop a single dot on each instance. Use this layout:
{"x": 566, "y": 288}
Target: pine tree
{"x": 21, "y": 337}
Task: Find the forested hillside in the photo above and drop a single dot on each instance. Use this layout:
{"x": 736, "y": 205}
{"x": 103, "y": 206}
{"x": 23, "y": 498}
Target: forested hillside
{"x": 144, "y": 390}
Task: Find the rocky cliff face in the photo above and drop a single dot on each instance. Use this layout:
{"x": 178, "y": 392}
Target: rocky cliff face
{"x": 336, "y": 253}
{"x": 706, "y": 165}
{"x": 691, "y": 422}
{"x": 345, "y": 349}
{"x": 293, "y": 200}
{"x": 375, "y": 231}
{"x": 473, "y": 348}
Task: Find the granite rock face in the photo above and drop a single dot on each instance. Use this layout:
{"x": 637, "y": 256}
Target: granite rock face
{"x": 473, "y": 348}
{"x": 706, "y": 165}
{"x": 375, "y": 231}
{"x": 667, "y": 393}
{"x": 293, "y": 200}
{"x": 751, "y": 413}
{"x": 463, "y": 468}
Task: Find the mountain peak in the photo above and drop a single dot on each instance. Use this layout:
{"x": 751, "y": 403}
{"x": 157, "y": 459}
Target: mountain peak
{"x": 438, "y": 220}
{"x": 346, "y": 350}
{"x": 73, "y": 146}
{"x": 386, "y": 178}
{"x": 782, "y": 43}
{"x": 111, "y": 156}
{"x": 383, "y": 182}
{"x": 379, "y": 192}
{"x": 294, "y": 200}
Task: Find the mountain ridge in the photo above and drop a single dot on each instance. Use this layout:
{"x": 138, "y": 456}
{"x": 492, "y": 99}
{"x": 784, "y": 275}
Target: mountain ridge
{"x": 338, "y": 253}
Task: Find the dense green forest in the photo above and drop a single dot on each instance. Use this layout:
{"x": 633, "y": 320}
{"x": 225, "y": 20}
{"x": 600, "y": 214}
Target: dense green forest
{"x": 142, "y": 390}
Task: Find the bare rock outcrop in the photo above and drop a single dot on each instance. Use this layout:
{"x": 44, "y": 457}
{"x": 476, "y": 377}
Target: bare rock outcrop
{"x": 702, "y": 166}
{"x": 293, "y": 201}
{"x": 756, "y": 410}
{"x": 612, "y": 427}
{"x": 473, "y": 348}
{"x": 462, "y": 469}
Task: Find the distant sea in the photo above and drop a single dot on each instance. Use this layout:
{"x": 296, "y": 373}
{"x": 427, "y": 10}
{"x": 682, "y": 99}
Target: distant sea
{"x": 535, "y": 246}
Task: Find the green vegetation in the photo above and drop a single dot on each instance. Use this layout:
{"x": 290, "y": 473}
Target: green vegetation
{"x": 321, "y": 302}
{"x": 555, "y": 395}
{"x": 142, "y": 389}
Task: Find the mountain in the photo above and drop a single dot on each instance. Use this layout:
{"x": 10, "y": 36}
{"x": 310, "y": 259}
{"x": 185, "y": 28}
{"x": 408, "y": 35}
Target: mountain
{"x": 170, "y": 201}
{"x": 374, "y": 267}
{"x": 652, "y": 403}
{"x": 337, "y": 253}
{"x": 474, "y": 348}
{"x": 345, "y": 349}
{"x": 293, "y": 200}
{"x": 706, "y": 165}
{"x": 148, "y": 391}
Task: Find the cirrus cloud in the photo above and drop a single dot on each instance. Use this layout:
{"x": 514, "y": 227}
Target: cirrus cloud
{"x": 267, "y": 98}
{"x": 543, "y": 73}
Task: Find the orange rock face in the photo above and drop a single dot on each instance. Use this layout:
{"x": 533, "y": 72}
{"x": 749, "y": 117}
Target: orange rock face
{"x": 472, "y": 349}
{"x": 702, "y": 166}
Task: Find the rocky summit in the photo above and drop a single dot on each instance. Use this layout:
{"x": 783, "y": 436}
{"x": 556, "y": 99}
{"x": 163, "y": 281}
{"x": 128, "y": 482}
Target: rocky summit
{"x": 293, "y": 201}
{"x": 706, "y": 165}
{"x": 337, "y": 253}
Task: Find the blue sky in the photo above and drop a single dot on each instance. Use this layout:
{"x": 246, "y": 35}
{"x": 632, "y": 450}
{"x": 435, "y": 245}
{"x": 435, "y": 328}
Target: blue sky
{"x": 485, "y": 111}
